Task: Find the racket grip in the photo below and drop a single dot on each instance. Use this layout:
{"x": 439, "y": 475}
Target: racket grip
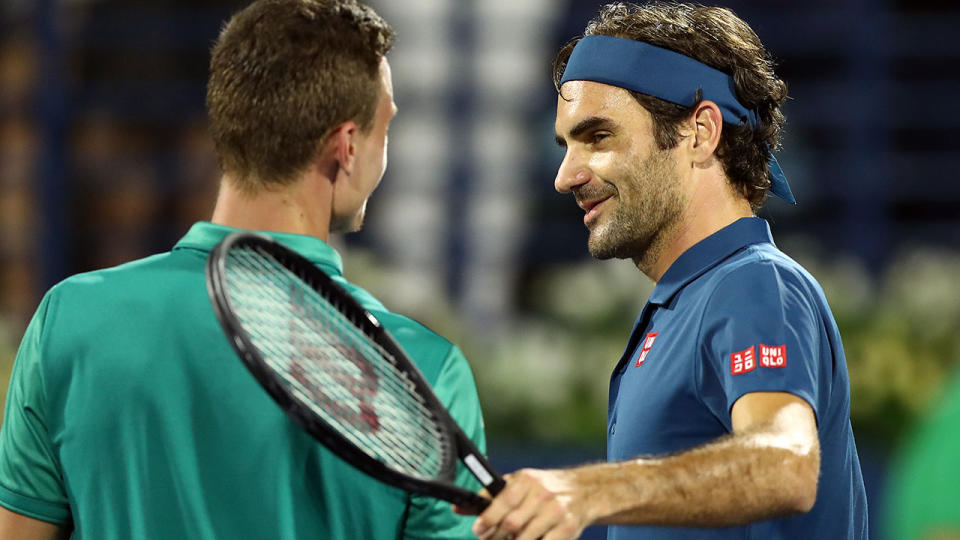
{"x": 475, "y": 504}
{"x": 491, "y": 480}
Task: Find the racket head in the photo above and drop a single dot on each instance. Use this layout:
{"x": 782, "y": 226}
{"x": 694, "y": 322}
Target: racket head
{"x": 270, "y": 301}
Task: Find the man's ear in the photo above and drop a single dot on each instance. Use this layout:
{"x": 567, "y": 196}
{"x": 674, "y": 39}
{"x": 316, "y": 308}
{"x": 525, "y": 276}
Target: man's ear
{"x": 341, "y": 146}
{"x": 707, "y": 122}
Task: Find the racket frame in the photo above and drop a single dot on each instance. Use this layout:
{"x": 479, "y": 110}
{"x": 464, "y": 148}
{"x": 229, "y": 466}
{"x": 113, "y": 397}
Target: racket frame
{"x": 313, "y": 423}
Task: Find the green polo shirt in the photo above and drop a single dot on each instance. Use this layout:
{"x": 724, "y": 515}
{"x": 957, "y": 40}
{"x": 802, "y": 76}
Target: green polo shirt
{"x": 129, "y": 414}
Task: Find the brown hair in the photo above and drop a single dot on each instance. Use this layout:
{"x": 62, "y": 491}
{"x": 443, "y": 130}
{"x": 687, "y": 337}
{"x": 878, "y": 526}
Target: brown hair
{"x": 718, "y": 38}
{"x": 283, "y": 74}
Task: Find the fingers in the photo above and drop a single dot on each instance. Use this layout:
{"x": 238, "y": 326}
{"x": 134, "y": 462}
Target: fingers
{"x": 546, "y": 520}
{"x": 518, "y": 520}
{"x": 505, "y": 502}
{"x": 550, "y": 520}
{"x": 562, "y": 526}
{"x": 527, "y": 509}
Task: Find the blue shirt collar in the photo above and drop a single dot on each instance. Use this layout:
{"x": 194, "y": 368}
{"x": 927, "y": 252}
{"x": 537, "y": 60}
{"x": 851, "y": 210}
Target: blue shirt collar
{"x": 203, "y": 236}
{"x": 707, "y": 253}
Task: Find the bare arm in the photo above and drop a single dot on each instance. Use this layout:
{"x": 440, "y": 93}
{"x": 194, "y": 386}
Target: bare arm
{"x": 767, "y": 468}
{"x": 15, "y": 526}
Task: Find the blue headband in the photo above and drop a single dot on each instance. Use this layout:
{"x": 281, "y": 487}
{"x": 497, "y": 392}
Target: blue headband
{"x": 661, "y": 73}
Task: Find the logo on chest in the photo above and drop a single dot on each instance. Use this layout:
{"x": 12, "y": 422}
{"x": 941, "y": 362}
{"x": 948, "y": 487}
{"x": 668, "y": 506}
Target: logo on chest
{"x": 647, "y": 345}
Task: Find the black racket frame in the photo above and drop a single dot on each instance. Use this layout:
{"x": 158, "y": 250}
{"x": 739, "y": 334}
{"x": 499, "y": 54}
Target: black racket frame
{"x": 311, "y": 422}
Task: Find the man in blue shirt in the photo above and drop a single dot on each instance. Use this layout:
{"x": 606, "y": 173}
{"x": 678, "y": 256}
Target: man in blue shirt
{"x": 729, "y": 409}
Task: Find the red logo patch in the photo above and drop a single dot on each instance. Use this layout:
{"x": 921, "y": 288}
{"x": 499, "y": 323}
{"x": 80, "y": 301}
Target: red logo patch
{"x": 773, "y": 357}
{"x": 743, "y": 361}
{"x": 647, "y": 343}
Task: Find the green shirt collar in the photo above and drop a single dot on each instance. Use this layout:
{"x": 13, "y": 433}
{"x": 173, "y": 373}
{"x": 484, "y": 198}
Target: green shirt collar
{"x": 204, "y": 236}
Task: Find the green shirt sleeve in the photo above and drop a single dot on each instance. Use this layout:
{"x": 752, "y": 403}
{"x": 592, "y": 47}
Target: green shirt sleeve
{"x": 431, "y": 518}
{"x": 31, "y": 483}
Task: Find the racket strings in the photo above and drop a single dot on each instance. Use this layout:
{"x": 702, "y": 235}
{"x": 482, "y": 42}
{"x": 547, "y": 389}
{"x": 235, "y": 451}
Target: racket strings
{"x": 358, "y": 341}
{"x": 333, "y": 367}
{"x": 338, "y": 391}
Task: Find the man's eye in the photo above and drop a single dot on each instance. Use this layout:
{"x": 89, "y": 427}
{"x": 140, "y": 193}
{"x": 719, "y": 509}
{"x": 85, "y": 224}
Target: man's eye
{"x": 599, "y": 136}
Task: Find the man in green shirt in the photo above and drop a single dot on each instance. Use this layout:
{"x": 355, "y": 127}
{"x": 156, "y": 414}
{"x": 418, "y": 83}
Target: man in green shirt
{"x": 129, "y": 416}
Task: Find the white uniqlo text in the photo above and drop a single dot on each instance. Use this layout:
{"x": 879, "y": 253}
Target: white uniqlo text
{"x": 773, "y": 357}
{"x": 743, "y": 361}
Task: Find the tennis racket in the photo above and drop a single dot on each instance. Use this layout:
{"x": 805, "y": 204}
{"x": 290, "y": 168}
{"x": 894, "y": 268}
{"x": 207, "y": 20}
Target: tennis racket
{"x": 337, "y": 372}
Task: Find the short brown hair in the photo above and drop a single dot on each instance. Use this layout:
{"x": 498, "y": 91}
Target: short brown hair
{"x": 720, "y": 39}
{"x": 283, "y": 74}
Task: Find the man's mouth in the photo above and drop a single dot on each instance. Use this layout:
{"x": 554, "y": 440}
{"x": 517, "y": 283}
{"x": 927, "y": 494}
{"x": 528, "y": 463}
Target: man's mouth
{"x": 592, "y": 207}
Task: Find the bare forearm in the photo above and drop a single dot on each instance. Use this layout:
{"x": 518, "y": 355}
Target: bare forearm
{"x": 734, "y": 480}
{"x": 768, "y": 468}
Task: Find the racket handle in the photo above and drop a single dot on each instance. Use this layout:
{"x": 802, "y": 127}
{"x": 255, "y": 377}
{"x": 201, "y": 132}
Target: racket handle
{"x": 488, "y": 476}
{"x": 474, "y": 504}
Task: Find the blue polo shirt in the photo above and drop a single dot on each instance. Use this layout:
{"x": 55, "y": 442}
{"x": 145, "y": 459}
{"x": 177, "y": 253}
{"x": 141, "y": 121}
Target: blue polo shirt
{"x": 735, "y": 315}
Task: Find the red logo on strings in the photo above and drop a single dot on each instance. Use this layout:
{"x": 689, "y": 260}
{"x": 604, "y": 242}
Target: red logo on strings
{"x": 311, "y": 357}
{"x": 743, "y": 362}
{"x": 647, "y": 344}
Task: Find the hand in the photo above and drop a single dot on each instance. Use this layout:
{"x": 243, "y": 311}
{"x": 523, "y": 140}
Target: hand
{"x": 535, "y": 504}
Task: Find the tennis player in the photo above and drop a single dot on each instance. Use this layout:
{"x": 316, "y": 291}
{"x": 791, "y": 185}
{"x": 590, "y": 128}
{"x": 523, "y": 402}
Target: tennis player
{"x": 129, "y": 415}
{"x": 729, "y": 410}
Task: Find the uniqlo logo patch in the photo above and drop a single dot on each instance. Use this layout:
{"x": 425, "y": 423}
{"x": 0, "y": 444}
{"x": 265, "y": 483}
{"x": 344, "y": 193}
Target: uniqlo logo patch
{"x": 743, "y": 361}
{"x": 647, "y": 344}
{"x": 773, "y": 357}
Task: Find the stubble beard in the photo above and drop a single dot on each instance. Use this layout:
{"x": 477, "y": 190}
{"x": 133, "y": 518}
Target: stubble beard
{"x": 648, "y": 207}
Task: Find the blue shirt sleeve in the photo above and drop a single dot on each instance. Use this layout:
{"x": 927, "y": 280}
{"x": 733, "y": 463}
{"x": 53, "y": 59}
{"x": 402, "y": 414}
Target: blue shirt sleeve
{"x": 760, "y": 333}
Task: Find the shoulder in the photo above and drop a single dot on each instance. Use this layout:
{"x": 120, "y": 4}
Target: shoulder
{"x": 137, "y": 292}
{"x": 431, "y": 352}
{"x": 763, "y": 259}
{"x": 761, "y": 270}
{"x": 760, "y": 287}
{"x": 114, "y": 278}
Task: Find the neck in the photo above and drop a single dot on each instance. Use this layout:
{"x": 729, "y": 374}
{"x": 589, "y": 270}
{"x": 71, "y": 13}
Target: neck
{"x": 708, "y": 210}
{"x": 302, "y": 207}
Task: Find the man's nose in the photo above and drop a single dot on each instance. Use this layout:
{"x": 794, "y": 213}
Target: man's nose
{"x": 572, "y": 173}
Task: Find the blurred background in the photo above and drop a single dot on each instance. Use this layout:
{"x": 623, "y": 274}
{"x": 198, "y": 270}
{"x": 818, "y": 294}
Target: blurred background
{"x": 104, "y": 158}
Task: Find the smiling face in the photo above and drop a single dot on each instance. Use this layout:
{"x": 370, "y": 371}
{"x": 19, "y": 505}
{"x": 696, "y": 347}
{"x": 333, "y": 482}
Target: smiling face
{"x": 630, "y": 190}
